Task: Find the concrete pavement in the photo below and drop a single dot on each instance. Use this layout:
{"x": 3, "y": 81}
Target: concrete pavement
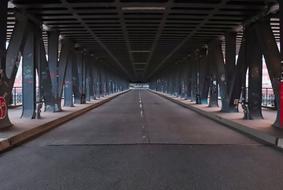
{"x": 144, "y": 142}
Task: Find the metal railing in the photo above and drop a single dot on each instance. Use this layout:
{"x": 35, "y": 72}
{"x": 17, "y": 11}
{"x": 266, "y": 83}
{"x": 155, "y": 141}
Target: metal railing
{"x": 268, "y": 97}
{"x": 17, "y": 96}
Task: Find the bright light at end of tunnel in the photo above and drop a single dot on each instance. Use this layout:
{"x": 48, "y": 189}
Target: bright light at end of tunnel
{"x": 143, "y": 8}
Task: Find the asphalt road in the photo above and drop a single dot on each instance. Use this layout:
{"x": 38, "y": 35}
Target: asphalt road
{"x": 140, "y": 141}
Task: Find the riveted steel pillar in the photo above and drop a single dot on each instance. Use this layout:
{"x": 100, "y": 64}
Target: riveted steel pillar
{"x": 254, "y": 59}
{"x": 194, "y": 79}
{"x": 213, "y": 84}
{"x": 15, "y": 46}
{"x": 29, "y": 74}
{"x": 203, "y": 79}
{"x": 230, "y": 56}
{"x": 237, "y": 85}
{"x": 3, "y": 28}
{"x": 98, "y": 82}
{"x": 102, "y": 81}
{"x": 91, "y": 90}
{"x": 68, "y": 84}
{"x": 221, "y": 77}
{"x": 44, "y": 83}
{"x": 230, "y": 67}
{"x": 63, "y": 65}
{"x": 189, "y": 80}
{"x": 281, "y": 55}
{"x": 76, "y": 81}
{"x": 4, "y": 86}
{"x": 53, "y": 45}
{"x": 179, "y": 80}
{"x": 271, "y": 54}
{"x": 79, "y": 92}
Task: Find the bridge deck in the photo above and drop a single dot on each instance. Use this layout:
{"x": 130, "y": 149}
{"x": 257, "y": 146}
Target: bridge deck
{"x": 141, "y": 141}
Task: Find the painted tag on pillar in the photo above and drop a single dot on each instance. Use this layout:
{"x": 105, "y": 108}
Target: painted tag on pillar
{"x": 281, "y": 104}
{"x": 3, "y": 108}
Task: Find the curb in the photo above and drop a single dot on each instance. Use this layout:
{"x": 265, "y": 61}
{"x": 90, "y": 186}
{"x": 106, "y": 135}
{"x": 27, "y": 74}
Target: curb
{"x": 8, "y": 143}
{"x": 258, "y": 135}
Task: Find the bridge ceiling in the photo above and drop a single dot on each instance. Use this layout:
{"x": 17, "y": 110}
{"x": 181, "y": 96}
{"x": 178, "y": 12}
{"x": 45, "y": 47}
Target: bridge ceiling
{"x": 141, "y": 36}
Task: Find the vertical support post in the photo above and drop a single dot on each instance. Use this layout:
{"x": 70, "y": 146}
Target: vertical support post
{"x": 63, "y": 65}
{"x": 53, "y": 45}
{"x": 213, "y": 85}
{"x": 230, "y": 66}
{"x": 29, "y": 75}
{"x": 3, "y": 29}
{"x": 239, "y": 76}
{"x": 4, "y": 86}
{"x": 270, "y": 50}
{"x": 76, "y": 81}
{"x": 194, "y": 74}
{"x": 254, "y": 59}
{"x": 281, "y": 56}
{"x": 204, "y": 79}
{"x": 189, "y": 80}
{"x": 68, "y": 84}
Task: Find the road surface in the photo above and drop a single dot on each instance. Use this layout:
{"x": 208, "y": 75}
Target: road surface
{"x": 140, "y": 141}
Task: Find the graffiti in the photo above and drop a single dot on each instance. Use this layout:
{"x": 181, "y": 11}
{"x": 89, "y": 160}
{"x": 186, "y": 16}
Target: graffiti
{"x": 3, "y": 108}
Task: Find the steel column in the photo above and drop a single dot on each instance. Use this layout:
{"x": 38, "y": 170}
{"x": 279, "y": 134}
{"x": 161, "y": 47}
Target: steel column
{"x": 189, "y": 80}
{"x": 194, "y": 79}
{"x": 230, "y": 67}
{"x": 68, "y": 83}
{"x": 213, "y": 83}
{"x": 281, "y": 56}
{"x": 53, "y": 45}
{"x": 239, "y": 76}
{"x": 268, "y": 46}
{"x": 63, "y": 64}
{"x": 4, "y": 86}
{"x": 254, "y": 59}
{"x": 15, "y": 46}
{"x": 45, "y": 83}
{"x": 29, "y": 75}
{"x": 3, "y": 28}
{"x": 76, "y": 81}
{"x": 203, "y": 79}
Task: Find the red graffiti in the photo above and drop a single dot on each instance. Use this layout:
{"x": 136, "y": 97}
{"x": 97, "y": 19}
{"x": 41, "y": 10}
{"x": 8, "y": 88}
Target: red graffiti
{"x": 281, "y": 104}
{"x": 3, "y": 108}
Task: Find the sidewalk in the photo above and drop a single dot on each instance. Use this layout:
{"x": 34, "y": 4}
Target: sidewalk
{"x": 25, "y": 129}
{"x": 259, "y": 129}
